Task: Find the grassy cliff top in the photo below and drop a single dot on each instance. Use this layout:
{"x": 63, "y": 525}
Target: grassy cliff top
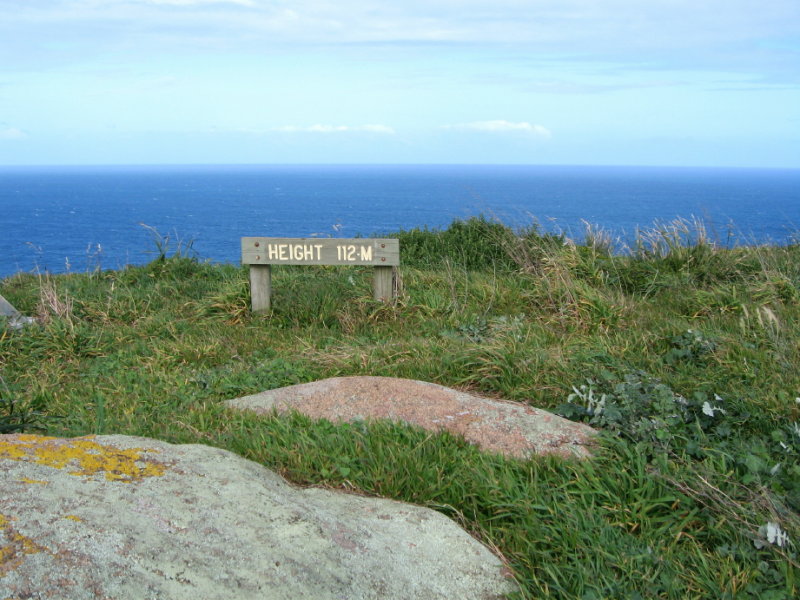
{"x": 685, "y": 354}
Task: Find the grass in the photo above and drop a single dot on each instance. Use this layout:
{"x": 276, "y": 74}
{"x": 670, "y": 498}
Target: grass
{"x": 683, "y": 353}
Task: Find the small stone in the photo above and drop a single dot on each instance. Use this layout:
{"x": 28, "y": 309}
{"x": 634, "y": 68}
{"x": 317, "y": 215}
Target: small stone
{"x": 15, "y": 319}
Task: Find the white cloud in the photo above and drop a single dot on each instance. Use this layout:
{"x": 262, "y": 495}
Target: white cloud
{"x": 12, "y": 133}
{"x": 730, "y": 34}
{"x": 577, "y": 26}
{"x": 250, "y": 3}
{"x": 379, "y": 129}
{"x": 501, "y": 126}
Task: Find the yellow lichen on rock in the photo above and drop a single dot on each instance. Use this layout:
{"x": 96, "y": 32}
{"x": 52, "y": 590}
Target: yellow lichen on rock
{"x": 13, "y": 449}
{"x": 14, "y": 546}
{"x": 34, "y": 481}
{"x": 83, "y": 455}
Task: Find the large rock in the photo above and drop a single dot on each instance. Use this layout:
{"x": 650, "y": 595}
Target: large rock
{"x": 132, "y": 518}
{"x": 510, "y": 428}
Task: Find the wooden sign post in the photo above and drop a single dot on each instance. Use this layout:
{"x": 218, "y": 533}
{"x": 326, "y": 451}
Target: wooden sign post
{"x": 261, "y": 252}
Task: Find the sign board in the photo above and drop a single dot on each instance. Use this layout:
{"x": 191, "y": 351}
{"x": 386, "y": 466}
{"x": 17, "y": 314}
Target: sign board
{"x": 314, "y": 251}
{"x": 261, "y": 252}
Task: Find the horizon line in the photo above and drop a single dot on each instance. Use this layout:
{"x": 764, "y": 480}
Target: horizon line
{"x": 390, "y": 164}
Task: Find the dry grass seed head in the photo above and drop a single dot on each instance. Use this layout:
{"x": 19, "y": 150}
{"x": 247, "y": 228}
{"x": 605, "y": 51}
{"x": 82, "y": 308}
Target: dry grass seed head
{"x": 52, "y": 305}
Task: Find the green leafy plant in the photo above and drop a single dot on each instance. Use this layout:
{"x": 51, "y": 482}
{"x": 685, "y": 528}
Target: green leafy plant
{"x": 690, "y": 346}
{"x": 639, "y": 408}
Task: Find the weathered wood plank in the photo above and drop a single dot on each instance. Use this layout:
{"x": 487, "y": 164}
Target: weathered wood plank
{"x": 260, "y": 287}
{"x": 383, "y": 284}
{"x": 315, "y": 251}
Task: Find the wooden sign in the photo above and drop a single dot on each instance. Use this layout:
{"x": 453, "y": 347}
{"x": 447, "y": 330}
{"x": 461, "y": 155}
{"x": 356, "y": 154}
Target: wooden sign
{"x": 261, "y": 252}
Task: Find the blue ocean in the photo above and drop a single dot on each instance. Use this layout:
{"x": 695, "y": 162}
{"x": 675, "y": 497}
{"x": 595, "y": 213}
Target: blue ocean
{"x": 59, "y": 219}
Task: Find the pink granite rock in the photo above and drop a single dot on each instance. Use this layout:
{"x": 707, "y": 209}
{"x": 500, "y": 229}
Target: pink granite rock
{"x": 509, "y": 428}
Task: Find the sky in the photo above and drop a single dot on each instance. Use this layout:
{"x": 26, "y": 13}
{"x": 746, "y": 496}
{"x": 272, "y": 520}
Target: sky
{"x": 580, "y": 82}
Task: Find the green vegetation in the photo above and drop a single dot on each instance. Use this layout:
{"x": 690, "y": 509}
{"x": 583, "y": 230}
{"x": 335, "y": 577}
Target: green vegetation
{"x": 686, "y": 356}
